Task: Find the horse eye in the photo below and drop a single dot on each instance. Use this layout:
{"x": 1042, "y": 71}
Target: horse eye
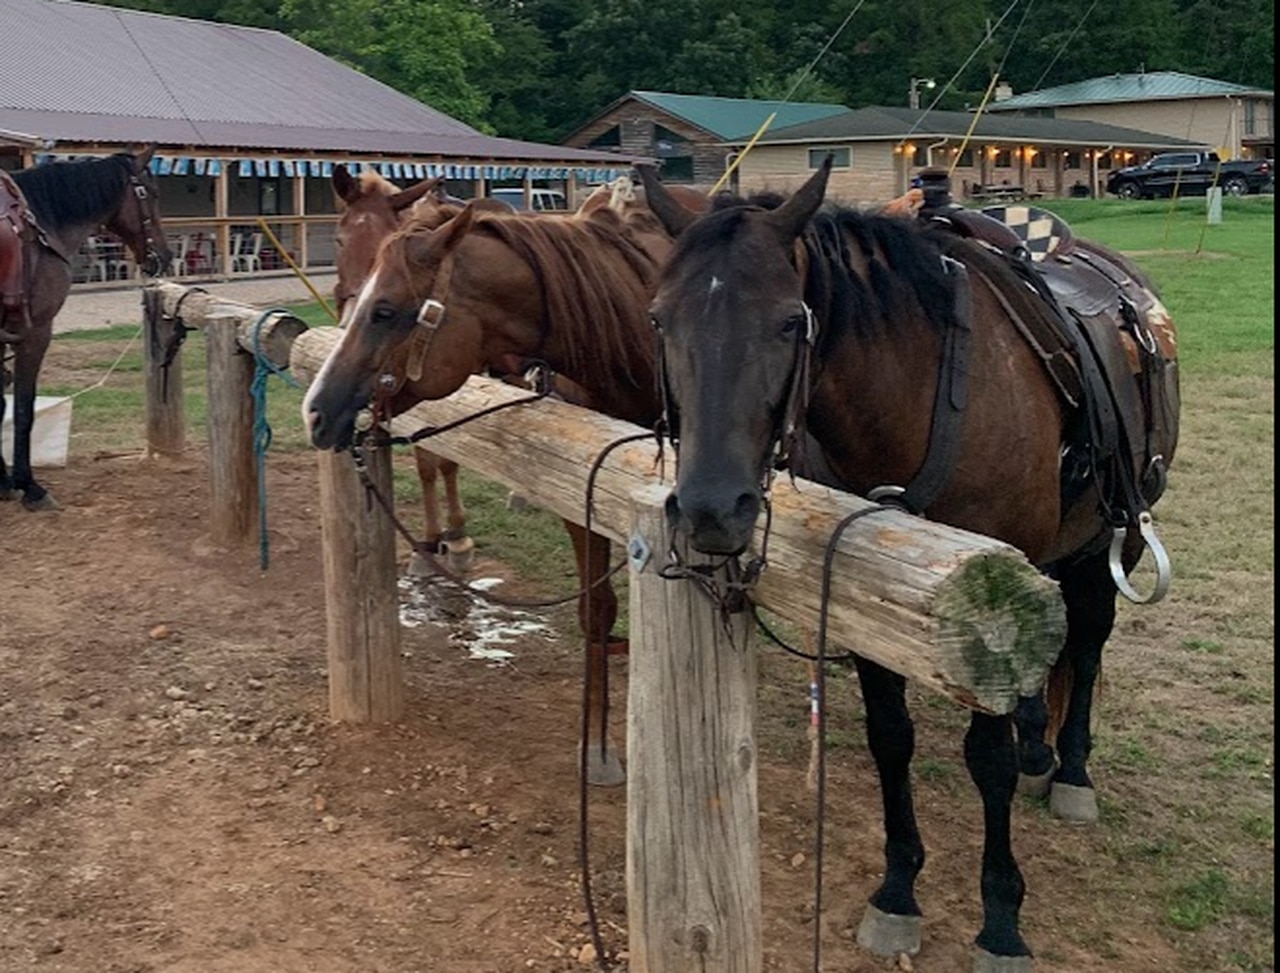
{"x": 384, "y": 313}
{"x": 792, "y": 324}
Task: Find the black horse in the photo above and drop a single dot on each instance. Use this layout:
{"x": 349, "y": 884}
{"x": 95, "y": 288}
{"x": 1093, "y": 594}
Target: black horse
{"x": 63, "y": 203}
{"x": 927, "y": 365}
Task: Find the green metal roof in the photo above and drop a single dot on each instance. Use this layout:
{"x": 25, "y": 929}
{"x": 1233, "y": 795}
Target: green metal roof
{"x": 1147, "y": 86}
{"x": 878, "y": 124}
{"x": 732, "y": 118}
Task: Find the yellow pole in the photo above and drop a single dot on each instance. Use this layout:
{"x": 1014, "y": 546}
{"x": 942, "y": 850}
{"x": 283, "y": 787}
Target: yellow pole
{"x": 976, "y": 115}
{"x": 275, "y": 242}
{"x": 755, "y": 138}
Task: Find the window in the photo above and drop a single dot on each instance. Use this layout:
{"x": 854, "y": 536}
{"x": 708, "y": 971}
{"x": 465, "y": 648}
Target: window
{"x": 919, "y": 156}
{"x": 1177, "y": 160}
{"x": 609, "y": 139}
{"x": 1003, "y": 159}
{"x": 966, "y": 158}
{"x": 677, "y": 168}
{"x": 842, "y": 157}
{"x": 1071, "y": 160}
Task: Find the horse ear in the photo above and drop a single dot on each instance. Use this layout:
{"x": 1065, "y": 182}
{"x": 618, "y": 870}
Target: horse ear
{"x": 407, "y": 197}
{"x": 427, "y": 248}
{"x": 791, "y": 217}
{"x": 143, "y": 156}
{"x": 672, "y": 214}
{"x": 345, "y": 184}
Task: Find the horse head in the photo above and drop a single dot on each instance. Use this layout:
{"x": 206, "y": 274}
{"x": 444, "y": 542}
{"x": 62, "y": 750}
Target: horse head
{"x": 372, "y": 209}
{"x": 388, "y": 328}
{"x": 136, "y": 221}
{"x": 736, "y": 338}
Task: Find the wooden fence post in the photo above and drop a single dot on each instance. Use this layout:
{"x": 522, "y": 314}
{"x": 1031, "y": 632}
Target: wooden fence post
{"x": 361, "y": 594}
{"x": 233, "y": 510}
{"x": 166, "y": 418}
{"x": 693, "y": 839}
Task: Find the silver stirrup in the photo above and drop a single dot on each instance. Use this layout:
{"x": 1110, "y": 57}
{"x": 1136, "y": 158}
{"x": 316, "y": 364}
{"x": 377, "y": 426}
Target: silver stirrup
{"x": 1164, "y": 572}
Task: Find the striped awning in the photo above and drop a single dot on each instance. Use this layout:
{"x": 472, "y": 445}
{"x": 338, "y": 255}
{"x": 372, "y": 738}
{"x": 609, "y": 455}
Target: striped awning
{"x": 274, "y": 166}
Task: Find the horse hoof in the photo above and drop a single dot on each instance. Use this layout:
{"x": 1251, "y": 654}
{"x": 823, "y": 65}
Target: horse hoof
{"x": 1075, "y": 805}
{"x": 1035, "y": 785}
{"x": 43, "y": 503}
{"x": 460, "y": 554}
{"x": 9, "y": 494}
{"x": 984, "y": 962}
{"x": 421, "y": 566}
{"x": 604, "y": 770}
{"x": 888, "y": 935}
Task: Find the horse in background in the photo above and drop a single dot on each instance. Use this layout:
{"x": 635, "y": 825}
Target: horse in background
{"x": 571, "y": 292}
{"x": 66, "y": 202}
{"x": 372, "y": 209}
{"x": 1033, "y": 402}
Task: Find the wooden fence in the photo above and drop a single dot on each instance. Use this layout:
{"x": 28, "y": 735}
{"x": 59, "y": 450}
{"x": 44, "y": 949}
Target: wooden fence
{"x": 961, "y": 613}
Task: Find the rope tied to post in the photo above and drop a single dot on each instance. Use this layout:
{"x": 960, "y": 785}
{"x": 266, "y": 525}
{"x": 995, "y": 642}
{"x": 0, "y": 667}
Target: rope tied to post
{"x": 263, "y": 369}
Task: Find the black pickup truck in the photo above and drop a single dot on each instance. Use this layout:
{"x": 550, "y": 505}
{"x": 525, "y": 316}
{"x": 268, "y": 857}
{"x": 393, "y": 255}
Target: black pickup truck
{"x": 1191, "y": 174}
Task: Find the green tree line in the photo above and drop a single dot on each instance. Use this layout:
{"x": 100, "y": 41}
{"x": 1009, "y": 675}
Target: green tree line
{"x": 538, "y": 69}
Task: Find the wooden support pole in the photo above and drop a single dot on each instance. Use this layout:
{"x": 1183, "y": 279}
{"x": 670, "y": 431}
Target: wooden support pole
{"x": 361, "y": 597}
{"x": 693, "y": 839}
{"x": 964, "y": 614}
{"x": 233, "y": 507}
{"x": 165, "y": 413}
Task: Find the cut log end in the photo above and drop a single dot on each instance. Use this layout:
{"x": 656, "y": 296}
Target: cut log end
{"x": 1003, "y": 625}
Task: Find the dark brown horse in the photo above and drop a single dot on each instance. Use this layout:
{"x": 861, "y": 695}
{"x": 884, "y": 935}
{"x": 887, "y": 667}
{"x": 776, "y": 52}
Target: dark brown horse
{"x": 927, "y": 366}
{"x": 567, "y": 291}
{"x": 68, "y": 201}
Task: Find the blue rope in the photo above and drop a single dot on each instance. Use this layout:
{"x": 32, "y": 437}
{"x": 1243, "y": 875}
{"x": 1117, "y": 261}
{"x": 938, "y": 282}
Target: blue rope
{"x": 264, "y": 368}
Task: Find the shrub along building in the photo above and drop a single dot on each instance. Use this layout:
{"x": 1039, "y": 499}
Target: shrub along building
{"x": 248, "y": 123}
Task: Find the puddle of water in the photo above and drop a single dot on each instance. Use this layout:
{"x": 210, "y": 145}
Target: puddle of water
{"x": 486, "y": 631}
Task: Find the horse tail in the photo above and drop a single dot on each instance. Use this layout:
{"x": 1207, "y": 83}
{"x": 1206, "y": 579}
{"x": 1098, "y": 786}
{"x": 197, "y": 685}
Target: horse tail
{"x": 1057, "y": 695}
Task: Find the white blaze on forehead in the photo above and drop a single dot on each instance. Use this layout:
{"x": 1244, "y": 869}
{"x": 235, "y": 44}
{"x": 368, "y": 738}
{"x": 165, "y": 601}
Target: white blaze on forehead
{"x": 716, "y": 284}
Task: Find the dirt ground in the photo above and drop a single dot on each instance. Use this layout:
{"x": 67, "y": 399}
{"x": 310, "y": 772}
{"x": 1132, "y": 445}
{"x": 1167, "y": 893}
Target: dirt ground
{"x": 174, "y": 797}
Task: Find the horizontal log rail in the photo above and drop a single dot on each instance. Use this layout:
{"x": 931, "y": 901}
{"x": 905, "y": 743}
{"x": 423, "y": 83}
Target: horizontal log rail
{"x": 964, "y": 614}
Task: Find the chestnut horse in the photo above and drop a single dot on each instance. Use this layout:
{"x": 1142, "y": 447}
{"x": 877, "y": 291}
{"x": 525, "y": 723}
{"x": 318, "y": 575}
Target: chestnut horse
{"x": 567, "y": 291}
{"x": 372, "y": 208}
{"x": 927, "y": 366}
{"x": 66, "y": 202}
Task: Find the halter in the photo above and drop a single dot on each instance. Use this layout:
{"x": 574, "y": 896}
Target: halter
{"x": 147, "y": 210}
{"x": 428, "y": 321}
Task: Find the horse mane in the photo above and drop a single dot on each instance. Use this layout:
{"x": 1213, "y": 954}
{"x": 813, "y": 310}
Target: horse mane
{"x": 596, "y": 284}
{"x": 65, "y": 193}
{"x": 374, "y": 182}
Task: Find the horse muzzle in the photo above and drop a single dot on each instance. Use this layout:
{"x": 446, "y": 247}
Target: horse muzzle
{"x": 714, "y": 519}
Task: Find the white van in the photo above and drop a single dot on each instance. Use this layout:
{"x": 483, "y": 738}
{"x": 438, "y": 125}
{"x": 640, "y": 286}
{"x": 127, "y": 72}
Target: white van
{"x": 542, "y": 199}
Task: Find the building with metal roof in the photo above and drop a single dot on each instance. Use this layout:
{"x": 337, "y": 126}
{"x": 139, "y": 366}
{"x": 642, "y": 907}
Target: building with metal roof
{"x": 248, "y": 122}
{"x": 687, "y": 132}
{"x": 1237, "y": 120}
{"x": 877, "y": 149}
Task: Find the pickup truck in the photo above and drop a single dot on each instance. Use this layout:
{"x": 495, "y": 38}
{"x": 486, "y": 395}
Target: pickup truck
{"x": 1191, "y": 173}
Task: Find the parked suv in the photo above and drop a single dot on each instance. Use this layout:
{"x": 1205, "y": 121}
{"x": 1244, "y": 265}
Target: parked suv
{"x": 542, "y": 199}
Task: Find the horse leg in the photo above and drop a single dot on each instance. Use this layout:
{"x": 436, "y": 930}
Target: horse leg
{"x": 892, "y": 921}
{"x": 597, "y": 611}
{"x": 1035, "y": 757}
{"x": 1090, "y": 597}
{"x": 992, "y": 759}
{"x": 458, "y": 545}
{"x": 453, "y": 542}
{"x": 27, "y": 359}
{"x": 7, "y": 492}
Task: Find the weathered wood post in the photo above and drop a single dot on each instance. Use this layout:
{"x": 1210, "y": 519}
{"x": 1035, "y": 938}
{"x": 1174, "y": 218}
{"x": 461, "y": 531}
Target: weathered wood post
{"x": 361, "y": 596}
{"x": 233, "y": 508}
{"x": 165, "y": 415}
{"x": 693, "y": 837}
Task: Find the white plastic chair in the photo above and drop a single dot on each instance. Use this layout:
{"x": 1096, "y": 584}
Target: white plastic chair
{"x": 178, "y": 264}
{"x": 249, "y": 259}
{"x": 233, "y": 252}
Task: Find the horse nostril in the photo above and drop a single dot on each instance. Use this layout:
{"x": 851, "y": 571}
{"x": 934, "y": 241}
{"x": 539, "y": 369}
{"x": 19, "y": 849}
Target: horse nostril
{"x": 673, "y": 508}
{"x": 748, "y": 505}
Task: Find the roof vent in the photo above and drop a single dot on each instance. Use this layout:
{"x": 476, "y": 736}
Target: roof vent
{"x": 1004, "y": 91}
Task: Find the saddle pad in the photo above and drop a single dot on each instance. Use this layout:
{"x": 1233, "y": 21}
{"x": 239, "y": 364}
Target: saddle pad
{"x": 1040, "y": 231}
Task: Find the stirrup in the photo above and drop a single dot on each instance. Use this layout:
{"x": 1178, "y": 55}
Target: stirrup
{"x": 1163, "y": 570}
